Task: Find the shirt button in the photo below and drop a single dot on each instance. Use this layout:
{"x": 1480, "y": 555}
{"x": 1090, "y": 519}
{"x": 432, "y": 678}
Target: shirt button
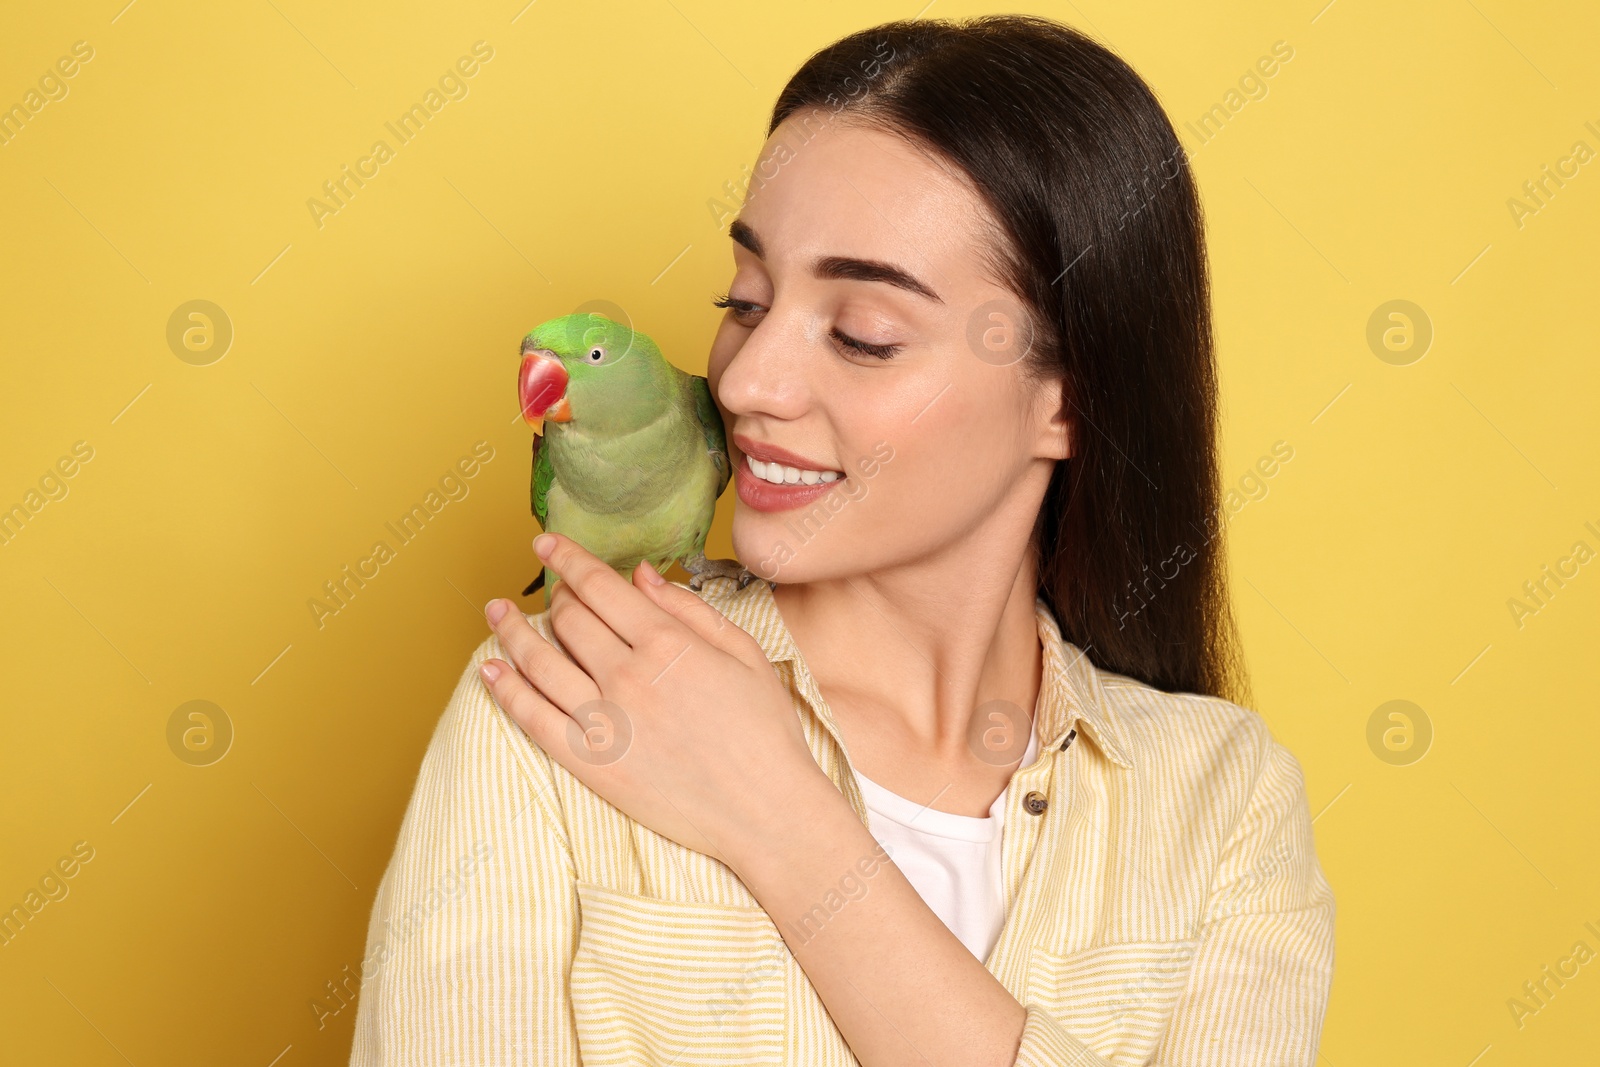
{"x": 1035, "y": 802}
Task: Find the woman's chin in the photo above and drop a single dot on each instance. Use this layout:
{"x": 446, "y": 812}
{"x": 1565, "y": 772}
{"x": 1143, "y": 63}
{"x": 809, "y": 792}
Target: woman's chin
{"x": 765, "y": 547}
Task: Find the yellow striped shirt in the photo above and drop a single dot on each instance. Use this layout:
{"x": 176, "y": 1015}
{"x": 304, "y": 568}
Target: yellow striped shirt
{"x": 1165, "y": 907}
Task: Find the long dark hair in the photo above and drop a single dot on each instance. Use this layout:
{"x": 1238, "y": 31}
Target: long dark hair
{"x": 1105, "y": 250}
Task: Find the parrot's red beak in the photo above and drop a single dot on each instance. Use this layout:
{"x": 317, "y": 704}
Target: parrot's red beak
{"x": 542, "y": 387}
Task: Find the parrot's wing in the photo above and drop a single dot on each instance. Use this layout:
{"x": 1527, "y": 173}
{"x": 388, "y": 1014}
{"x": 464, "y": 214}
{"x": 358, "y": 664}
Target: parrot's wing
{"x": 705, "y": 410}
{"x": 543, "y": 475}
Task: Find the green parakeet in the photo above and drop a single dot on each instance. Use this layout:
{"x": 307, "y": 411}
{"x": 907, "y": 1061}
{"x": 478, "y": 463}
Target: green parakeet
{"x": 632, "y": 457}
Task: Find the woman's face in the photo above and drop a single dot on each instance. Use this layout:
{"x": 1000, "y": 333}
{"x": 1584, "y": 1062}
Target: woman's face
{"x": 938, "y": 448}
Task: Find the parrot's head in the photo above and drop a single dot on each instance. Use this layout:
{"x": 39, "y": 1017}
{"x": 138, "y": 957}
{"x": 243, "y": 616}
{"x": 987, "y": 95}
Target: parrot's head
{"x": 590, "y": 369}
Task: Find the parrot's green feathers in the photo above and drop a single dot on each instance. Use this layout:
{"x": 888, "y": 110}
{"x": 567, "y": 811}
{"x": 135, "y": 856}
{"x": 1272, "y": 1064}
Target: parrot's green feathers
{"x": 632, "y": 454}
{"x": 705, "y": 411}
{"x": 543, "y": 475}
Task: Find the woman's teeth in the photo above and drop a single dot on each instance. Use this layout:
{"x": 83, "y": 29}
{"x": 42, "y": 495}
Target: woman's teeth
{"x": 778, "y": 474}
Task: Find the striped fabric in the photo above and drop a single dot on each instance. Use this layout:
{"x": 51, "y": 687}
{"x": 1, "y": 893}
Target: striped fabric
{"x": 1166, "y": 906}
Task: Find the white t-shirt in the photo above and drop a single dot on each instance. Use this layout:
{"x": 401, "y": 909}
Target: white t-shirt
{"x": 953, "y": 861}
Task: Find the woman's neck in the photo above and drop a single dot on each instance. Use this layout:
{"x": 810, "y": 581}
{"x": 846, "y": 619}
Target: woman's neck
{"x": 905, "y": 660}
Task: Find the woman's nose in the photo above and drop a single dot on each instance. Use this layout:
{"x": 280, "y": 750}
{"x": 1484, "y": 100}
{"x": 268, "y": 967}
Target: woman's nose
{"x": 768, "y": 373}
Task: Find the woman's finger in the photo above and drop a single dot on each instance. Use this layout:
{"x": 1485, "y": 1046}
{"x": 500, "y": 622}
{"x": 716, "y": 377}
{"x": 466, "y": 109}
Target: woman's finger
{"x": 581, "y": 743}
{"x": 594, "y": 646}
{"x": 703, "y": 620}
{"x": 539, "y": 718}
{"x": 561, "y": 681}
{"x": 602, "y": 589}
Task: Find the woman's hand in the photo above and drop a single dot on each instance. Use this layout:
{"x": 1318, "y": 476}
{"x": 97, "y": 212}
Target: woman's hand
{"x": 666, "y": 709}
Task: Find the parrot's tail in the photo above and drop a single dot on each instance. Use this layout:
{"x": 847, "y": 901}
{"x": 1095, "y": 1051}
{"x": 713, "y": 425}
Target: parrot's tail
{"x": 534, "y": 585}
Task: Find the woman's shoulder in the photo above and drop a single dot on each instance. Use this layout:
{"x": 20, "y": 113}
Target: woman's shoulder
{"x": 1210, "y": 736}
{"x": 1143, "y": 709}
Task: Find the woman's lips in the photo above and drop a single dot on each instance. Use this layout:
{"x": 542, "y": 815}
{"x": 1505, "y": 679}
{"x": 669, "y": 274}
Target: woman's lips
{"x": 763, "y": 495}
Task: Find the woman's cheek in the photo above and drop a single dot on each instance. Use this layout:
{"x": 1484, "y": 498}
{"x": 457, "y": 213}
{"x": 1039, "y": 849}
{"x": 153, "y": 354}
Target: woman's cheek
{"x": 880, "y": 484}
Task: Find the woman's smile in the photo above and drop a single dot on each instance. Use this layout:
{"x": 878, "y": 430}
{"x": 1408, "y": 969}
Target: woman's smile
{"x": 769, "y": 478}
{"x": 774, "y": 487}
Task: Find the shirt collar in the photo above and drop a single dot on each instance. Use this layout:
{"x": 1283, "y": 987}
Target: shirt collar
{"x": 1071, "y": 697}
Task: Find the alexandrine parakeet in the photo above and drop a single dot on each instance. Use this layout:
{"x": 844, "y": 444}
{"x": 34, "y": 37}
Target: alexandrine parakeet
{"x": 632, "y": 457}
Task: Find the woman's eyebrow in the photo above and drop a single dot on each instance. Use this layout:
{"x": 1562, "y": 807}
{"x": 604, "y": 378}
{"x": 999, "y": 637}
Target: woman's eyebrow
{"x": 843, "y": 268}
{"x": 871, "y": 270}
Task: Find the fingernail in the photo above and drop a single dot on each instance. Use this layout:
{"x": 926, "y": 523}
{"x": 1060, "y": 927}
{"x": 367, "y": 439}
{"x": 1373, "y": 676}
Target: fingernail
{"x": 651, "y": 573}
{"x": 496, "y": 610}
{"x": 543, "y": 544}
{"x": 490, "y": 671}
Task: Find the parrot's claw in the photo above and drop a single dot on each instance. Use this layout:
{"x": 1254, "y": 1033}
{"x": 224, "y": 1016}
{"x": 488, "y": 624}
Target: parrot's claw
{"x": 700, "y": 568}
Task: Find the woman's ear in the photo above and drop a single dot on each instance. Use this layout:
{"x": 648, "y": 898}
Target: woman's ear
{"x": 1056, "y": 433}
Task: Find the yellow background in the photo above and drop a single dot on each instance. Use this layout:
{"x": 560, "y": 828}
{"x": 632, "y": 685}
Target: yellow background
{"x": 371, "y": 353}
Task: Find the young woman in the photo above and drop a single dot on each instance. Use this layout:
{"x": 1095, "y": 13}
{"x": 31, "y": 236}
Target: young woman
{"x": 961, "y": 781}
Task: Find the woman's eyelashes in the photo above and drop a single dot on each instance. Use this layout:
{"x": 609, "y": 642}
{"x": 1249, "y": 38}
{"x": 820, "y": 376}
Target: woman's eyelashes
{"x": 746, "y": 314}
{"x": 864, "y": 347}
{"x": 741, "y": 309}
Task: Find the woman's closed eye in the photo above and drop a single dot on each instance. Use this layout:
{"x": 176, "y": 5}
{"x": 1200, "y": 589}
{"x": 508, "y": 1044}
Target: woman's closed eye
{"x": 746, "y": 313}
{"x": 742, "y": 309}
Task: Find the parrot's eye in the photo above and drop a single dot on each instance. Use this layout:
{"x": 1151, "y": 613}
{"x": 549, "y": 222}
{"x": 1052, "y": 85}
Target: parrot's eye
{"x": 597, "y": 354}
